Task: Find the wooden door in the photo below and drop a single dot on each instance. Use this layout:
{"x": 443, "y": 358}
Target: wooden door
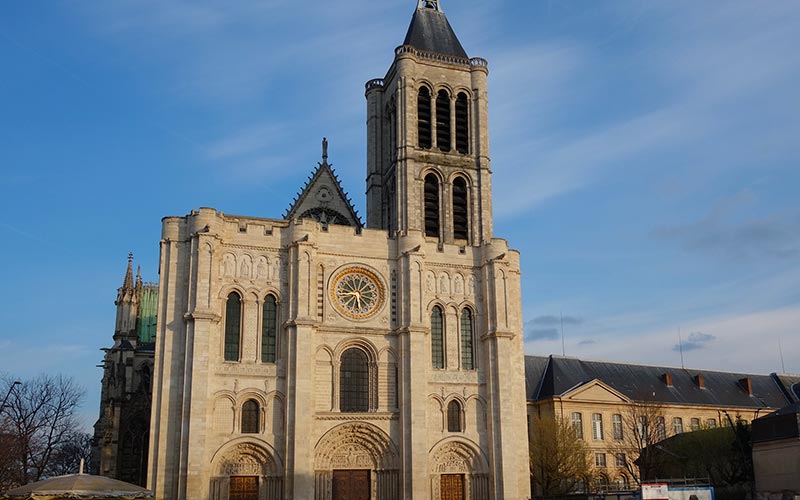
{"x": 351, "y": 485}
{"x": 243, "y": 488}
{"x": 452, "y": 487}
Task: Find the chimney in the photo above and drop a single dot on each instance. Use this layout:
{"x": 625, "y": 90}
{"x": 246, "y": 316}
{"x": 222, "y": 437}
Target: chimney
{"x": 700, "y": 381}
{"x": 667, "y": 378}
{"x": 747, "y": 385}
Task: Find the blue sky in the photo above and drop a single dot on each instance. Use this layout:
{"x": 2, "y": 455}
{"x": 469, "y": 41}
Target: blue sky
{"x": 645, "y": 158}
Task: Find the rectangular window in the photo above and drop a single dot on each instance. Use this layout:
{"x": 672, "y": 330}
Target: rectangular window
{"x": 600, "y": 459}
{"x": 711, "y": 423}
{"x": 616, "y": 426}
{"x": 597, "y": 426}
{"x": 577, "y": 424}
{"x": 695, "y": 423}
{"x": 677, "y": 425}
{"x": 619, "y": 460}
{"x": 661, "y": 429}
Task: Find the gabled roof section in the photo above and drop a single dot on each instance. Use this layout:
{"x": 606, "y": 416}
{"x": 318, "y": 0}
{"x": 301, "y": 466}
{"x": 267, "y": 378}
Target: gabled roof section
{"x": 430, "y": 31}
{"x": 323, "y": 199}
{"x": 595, "y": 390}
{"x": 647, "y": 383}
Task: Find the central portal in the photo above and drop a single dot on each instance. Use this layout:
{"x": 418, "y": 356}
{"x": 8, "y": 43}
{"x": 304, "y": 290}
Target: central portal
{"x": 452, "y": 487}
{"x": 351, "y": 485}
{"x": 243, "y": 488}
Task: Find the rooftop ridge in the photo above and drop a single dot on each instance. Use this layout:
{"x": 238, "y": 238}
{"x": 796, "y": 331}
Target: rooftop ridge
{"x": 686, "y": 369}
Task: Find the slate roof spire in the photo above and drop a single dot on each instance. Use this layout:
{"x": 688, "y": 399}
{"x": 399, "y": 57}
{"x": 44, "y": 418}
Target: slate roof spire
{"x": 430, "y": 31}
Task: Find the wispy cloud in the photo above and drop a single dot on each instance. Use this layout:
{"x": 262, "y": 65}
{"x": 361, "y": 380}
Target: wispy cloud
{"x": 729, "y": 230}
{"x": 546, "y": 327}
{"x": 695, "y": 341}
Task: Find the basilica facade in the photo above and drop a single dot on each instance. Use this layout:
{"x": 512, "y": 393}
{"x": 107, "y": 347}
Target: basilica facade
{"x": 311, "y": 357}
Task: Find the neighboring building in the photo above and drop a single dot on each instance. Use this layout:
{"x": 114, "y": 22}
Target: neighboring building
{"x": 312, "y": 358}
{"x": 121, "y": 433}
{"x": 597, "y": 397}
{"x": 776, "y": 451}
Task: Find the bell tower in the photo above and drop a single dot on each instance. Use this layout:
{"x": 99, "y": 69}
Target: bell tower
{"x": 428, "y": 167}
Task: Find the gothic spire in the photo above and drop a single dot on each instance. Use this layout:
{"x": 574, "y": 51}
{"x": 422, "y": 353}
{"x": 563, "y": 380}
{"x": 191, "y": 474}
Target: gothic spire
{"x": 128, "y": 282}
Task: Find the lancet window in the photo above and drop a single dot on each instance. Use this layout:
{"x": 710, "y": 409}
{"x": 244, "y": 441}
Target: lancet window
{"x": 233, "y": 326}
{"x": 269, "y": 329}
{"x": 250, "y": 417}
{"x": 354, "y": 381}
{"x": 454, "y": 416}
{"x": 467, "y": 353}
{"x": 437, "y": 337}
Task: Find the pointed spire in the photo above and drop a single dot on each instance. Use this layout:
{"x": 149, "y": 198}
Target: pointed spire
{"x": 128, "y": 282}
{"x": 138, "y": 277}
{"x": 430, "y": 31}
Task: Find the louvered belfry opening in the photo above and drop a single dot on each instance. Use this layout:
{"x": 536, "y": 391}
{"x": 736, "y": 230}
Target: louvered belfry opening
{"x": 460, "y": 217}
{"x": 443, "y": 121}
{"x": 431, "y": 205}
{"x": 424, "y": 118}
{"x": 462, "y": 124}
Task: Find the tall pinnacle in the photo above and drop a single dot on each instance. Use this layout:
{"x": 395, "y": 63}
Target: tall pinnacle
{"x": 128, "y": 283}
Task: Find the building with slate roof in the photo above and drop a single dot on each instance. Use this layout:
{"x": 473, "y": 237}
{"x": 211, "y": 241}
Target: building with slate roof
{"x": 317, "y": 357}
{"x": 596, "y": 397}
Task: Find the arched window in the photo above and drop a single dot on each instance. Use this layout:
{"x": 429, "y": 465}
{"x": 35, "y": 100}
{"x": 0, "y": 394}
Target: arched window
{"x": 460, "y": 214}
{"x": 462, "y": 124}
{"x": 424, "y": 118}
{"x": 269, "y": 329}
{"x": 454, "y": 416}
{"x": 431, "y": 205}
{"x": 233, "y": 323}
{"x": 437, "y": 338}
{"x": 354, "y": 381}
{"x": 250, "y": 412}
{"x": 443, "y": 121}
{"x": 467, "y": 354}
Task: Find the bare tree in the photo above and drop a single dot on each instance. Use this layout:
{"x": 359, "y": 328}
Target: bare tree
{"x": 643, "y": 425}
{"x": 559, "y": 459}
{"x": 66, "y": 459}
{"x": 36, "y": 421}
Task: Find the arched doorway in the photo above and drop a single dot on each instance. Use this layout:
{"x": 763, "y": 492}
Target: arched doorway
{"x": 246, "y": 470}
{"x": 357, "y": 461}
{"x": 458, "y": 471}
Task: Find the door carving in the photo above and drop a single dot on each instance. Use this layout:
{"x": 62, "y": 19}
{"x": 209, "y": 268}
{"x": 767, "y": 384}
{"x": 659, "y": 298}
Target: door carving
{"x": 452, "y": 487}
{"x": 351, "y": 485}
{"x": 243, "y": 488}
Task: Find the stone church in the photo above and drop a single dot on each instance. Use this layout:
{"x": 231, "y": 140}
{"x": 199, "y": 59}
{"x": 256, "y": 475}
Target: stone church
{"x": 311, "y": 357}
